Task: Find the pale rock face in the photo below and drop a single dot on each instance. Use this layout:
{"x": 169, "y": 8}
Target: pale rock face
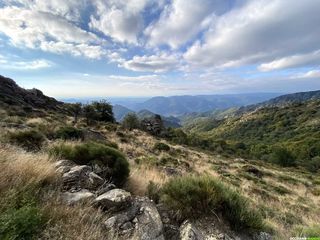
{"x": 140, "y": 221}
{"x": 114, "y": 199}
{"x": 189, "y": 232}
{"x": 77, "y": 197}
{"x": 148, "y": 223}
{"x": 61, "y": 163}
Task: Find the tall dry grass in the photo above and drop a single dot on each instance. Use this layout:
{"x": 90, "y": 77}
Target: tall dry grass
{"x": 140, "y": 177}
{"x": 20, "y": 169}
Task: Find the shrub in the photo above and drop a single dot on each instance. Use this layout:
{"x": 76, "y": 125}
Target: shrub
{"x": 69, "y": 133}
{"x": 283, "y": 157}
{"x": 314, "y": 164}
{"x": 153, "y": 191}
{"x": 194, "y": 196}
{"x": 20, "y": 218}
{"x": 30, "y": 139}
{"x": 112, "y": 162}
{"x": 21, "y": 223}
{"x": 161, "y": 146}
{"x": 131, "y": 121}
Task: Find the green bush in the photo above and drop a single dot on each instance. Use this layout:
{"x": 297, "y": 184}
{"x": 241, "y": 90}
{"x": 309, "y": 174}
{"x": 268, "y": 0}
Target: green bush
{"x": 194, "y": 196}
{"x": 69, "y": 133}
{"x": 153, "y": 191}
{"x": 22, "y": 223}
{"x": 31, "y": 140}
{"x": 314, "y": 164}
{"x": 20, "y": 217}
{"x": 112, "y": 162}
{"x": 283, "y": 157}
{"x": 160, "y": 146}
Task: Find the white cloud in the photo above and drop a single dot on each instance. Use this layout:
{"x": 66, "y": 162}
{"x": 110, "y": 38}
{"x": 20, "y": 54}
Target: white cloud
{"x": 141, "y": 78}
{"x": 162, "y": 62}
{"x": 259, "y": 32}
{"x": 70, "y": 9}
{"x": 18, "y": 64}
{"x": 292, "y": 61}
{"x": 182, "y": 20}
{"x": 312, "y": 74}
{"x": 120, "y": 19}
{"x": 89, "y": 51}
{"x": 48, "y": 32}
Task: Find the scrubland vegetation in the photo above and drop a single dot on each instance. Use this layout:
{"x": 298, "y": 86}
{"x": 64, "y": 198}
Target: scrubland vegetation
{"x": 193, "y": 176}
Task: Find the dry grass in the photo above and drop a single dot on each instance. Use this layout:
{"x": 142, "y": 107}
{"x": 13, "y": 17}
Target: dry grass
{"x": 73, "y": 222}
{"x": 36, "y": 121}
{"x": 19, "y": 168}
{"x": 140, "y": 178}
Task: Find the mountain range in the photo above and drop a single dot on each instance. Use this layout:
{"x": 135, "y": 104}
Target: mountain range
{"x": 179, "y": 105}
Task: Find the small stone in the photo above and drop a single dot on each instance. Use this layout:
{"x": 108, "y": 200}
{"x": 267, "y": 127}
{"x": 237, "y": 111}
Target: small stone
{"x": 221, "y": 236}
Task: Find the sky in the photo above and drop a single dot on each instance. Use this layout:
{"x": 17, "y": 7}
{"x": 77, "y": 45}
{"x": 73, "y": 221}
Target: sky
{"x": 87, "y": 48}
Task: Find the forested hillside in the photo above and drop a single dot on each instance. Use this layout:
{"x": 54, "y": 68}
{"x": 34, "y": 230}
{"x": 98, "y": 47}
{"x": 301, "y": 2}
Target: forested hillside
{"x": 257, "y": 134}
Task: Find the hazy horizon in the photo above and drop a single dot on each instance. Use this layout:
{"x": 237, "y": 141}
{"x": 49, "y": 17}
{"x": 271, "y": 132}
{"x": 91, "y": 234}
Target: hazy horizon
{"x": 145, "y": 48}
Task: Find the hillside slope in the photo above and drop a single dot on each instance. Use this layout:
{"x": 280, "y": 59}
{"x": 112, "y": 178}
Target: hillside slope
{"x": 283, "y": 100}
{"x": 295, "y": 127}
{"x": 58, "y": 187}
{"x": 13, "y": 95}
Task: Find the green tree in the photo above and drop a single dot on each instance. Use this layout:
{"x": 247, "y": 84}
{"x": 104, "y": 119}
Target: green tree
{"x": 76, "y": 110}
{"x": 104, "y": 111}
{"x": 89, "y": 113}
{"x": 131, "y": 121}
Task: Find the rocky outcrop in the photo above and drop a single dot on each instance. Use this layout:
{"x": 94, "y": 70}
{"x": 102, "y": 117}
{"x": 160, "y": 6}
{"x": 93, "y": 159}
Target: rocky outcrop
{"x": 140, "y": 221}
{"x": 13, "y": 95}
{"x": 129, "y": 217}
{"x": 80, "y": 177}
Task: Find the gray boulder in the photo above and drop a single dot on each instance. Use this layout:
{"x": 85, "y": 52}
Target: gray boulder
{"x": 148, "y": 224}
{"x": 140, "y": 221}
{"x": 81, "y": 177}
{"x": 114, "y": 200}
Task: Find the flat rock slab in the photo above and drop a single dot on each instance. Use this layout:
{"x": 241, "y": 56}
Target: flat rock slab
{"x": 77, "y": 197}
{"x": 115, "y": 199}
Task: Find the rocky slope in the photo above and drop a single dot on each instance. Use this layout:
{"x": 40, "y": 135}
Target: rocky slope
{"x": 13, "y": 95}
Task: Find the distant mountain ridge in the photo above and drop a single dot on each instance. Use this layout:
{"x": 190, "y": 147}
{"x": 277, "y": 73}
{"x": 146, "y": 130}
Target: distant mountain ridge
{"x": 283, "y": 101}
{"x": 179, "y": 105}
